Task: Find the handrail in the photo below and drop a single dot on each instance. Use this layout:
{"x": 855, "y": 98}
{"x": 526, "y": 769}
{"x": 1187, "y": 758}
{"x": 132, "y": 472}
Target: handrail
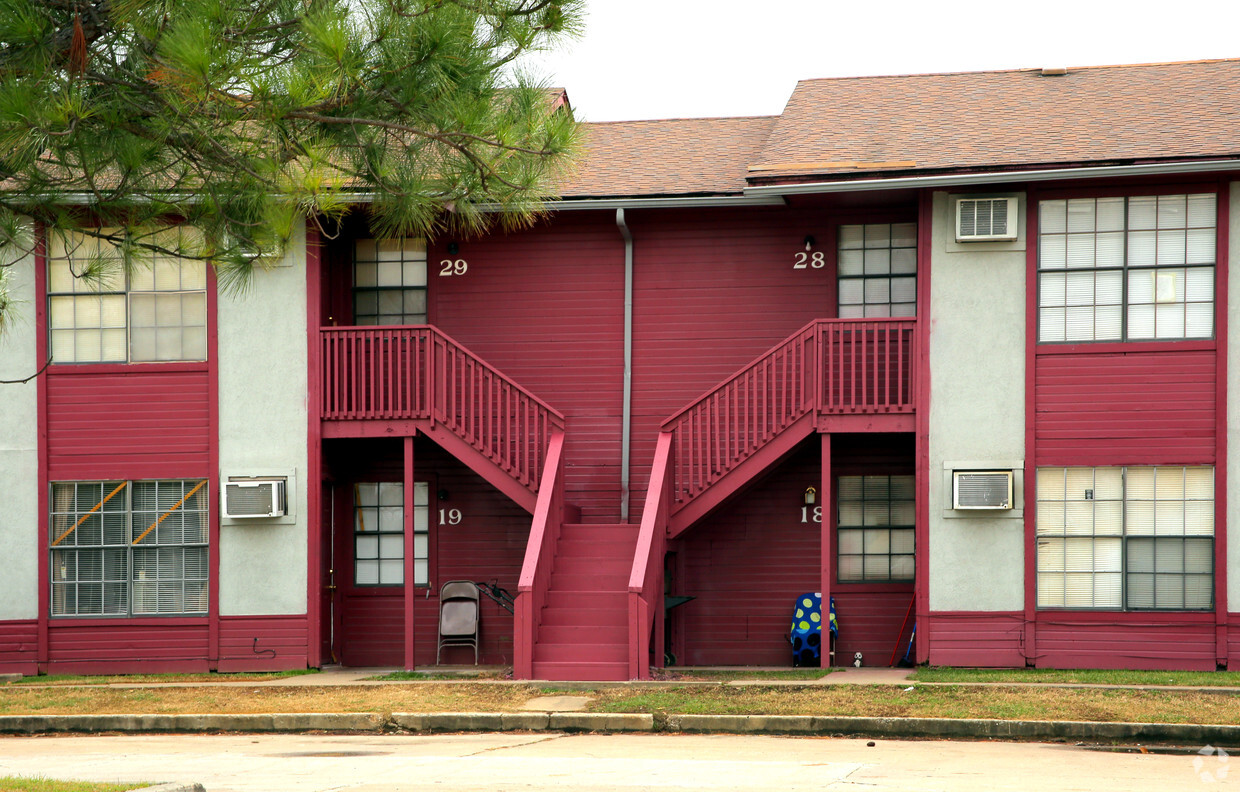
{"x": 539, "y": 560}
{"x": 828, "y": 367}
{"x": 418, "y": 372}
{"x": 646, "y": 577}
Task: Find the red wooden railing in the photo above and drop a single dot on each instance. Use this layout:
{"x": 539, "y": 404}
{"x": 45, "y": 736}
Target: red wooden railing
{"x": 419, "y": 373}
{"x": 830, "y": 366}
{"x": 539, "y": 559}
{"x": 646, "y": 579}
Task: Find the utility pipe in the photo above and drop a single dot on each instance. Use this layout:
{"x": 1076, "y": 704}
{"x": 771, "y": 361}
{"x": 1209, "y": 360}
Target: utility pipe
{"x": 626, "y": 409}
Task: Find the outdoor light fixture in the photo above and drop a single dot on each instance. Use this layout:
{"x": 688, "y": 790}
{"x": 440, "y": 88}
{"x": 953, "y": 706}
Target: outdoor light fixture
{"x": 441, "y": 494}
{"x": 811, "y": 495}
{"x": 809, "y": 241}
{"x": 453, "y": 248}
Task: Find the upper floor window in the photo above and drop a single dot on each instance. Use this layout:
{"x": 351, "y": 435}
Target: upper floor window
{"x": 878, "y": 270}
{"x": 389, "y": 281}
{"x": 99, "y": 313}
{"x": 1126, "y": 269}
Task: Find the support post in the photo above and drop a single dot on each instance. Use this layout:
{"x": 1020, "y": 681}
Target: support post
{"x": 827, "y": 551}
{"x": 410, "y": 588}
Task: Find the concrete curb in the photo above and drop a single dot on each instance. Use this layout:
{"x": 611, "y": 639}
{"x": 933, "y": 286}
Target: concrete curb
{"x": 968, "y": 728}
{"x": 173, "y": 787}
{"x": 523, "y": 721}
{"x": 889, "y": 728}
{"x": 283, "y": 722}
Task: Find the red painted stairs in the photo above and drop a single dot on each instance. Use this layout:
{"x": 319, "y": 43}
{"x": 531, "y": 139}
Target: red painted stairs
{"x": 584, "y": 628}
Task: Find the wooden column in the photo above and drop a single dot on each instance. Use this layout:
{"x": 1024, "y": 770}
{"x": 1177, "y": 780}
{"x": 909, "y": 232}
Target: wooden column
{"x": 827, "y": 550}
{"x": 410, "y": 588}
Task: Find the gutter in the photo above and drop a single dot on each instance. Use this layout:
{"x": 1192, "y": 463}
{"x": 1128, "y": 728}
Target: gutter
{"x": 626, "y": 410}
{"x": 962, "y": 179}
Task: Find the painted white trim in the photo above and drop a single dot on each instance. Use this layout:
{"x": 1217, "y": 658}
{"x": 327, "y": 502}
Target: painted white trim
{"x": 962, "y": 179}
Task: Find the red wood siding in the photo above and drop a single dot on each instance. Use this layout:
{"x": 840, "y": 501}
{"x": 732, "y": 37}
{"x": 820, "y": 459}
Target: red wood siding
{"x": 488, "y": 544}
{"x": 977, "y": 639}
{"x": 1115, "y": 408}
{"x": 373, "y": 628}
{"x": 1233, "y": 642}
{"x": 1141, "y": 641}
{"x": 747, "y": 563}
{"x": 545, "y": 306}
{"x": 128, "y": 646}
{"x": 19, "y": 643}
{"x": 128, "y": 422}
{"x": 262, "y": 643}
{"x": 713, "y": 289}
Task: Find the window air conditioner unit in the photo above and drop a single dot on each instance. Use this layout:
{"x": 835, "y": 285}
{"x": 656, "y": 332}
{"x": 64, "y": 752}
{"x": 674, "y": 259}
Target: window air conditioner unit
{"x": 981, "y": 489}
{"x": 254, "y": 498}
{"x": 986, "y": 219}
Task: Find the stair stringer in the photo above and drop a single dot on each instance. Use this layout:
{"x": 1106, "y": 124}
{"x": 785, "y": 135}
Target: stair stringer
{"x": 736, "y": 479}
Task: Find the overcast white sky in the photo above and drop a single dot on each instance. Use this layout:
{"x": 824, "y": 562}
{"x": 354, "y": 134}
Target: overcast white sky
{"x": 692, "y": 58}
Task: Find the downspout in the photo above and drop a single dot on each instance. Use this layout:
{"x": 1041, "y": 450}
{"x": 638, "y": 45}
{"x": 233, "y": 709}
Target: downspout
{"x": 626, "y": 410}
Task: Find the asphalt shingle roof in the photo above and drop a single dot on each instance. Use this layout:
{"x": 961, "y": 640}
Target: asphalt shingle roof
{"x": 1006, "y": 119}
{"x": 684, "y": 156}
{"x": 911, "y": 124}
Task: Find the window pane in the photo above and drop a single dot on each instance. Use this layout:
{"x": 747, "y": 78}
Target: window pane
{"x": 1052, "y": 216}
{"x": 851, "y": 262}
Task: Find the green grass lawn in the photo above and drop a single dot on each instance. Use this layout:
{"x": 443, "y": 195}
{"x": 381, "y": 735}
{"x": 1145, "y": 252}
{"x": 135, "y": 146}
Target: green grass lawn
{"x": 16, "y": 784}
{"x": 761, "y": 674}
{"x": 1079, "y": 676}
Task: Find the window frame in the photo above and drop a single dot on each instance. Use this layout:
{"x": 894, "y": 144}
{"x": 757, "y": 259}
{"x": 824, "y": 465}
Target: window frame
{"x": 123, "y": 286}
{"x": 378, "y": 290}
{"x": 1124, "y": 539}
{"x": 841, "y": 528}
{"x": 136, "y": 533}
{"x": 1035, "y": 249}
{"x": 358, "y": 507}
{"x": 866, "y": 277}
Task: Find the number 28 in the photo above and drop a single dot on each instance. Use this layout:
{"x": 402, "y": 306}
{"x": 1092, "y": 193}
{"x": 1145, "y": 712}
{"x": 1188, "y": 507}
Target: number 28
{"x": 804, "y": 259}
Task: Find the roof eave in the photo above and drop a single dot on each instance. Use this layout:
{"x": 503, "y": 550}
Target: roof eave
{"x": 859, "y": 183}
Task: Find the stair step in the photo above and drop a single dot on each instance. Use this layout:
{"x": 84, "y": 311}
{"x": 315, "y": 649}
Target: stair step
{"x": 597, "y": 548}
{"x": 582, "y": 634}
{"x": 606, "y": 567}
{"x": 579, "y": 652}
{"x": 619, "y": 532}
{"x": 579, "y": 671}
{"x": 614, "y": 617}
{"x": 592, "y": 599}
{"x": 617, "y": 582}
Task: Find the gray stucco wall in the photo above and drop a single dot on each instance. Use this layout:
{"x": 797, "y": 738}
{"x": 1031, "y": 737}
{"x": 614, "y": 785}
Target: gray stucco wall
{"x": 19, "y": 460}
{"x": 263, "y": 426}
{"x": 1233, "y": 406}
{"x": 977, "y": 412}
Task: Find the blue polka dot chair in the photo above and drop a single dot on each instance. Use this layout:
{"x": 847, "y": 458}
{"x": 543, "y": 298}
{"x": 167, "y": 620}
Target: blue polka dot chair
{"x": 806, "y": 632}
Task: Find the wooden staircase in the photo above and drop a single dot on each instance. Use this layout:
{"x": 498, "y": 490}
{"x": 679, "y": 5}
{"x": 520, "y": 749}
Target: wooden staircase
{"x": 584, "y": 630}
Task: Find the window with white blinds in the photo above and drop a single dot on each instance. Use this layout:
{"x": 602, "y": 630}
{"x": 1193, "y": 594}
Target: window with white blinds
{"x": 379, "y": 533}
{"x": 875, "y": 522}
{"x": 878, "y": 270}
{"x": 1126, "y": 269}
{"x": 129, "y": 548}
{"x": 1135, "y": 538}
{"x": 98, "y": 312}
